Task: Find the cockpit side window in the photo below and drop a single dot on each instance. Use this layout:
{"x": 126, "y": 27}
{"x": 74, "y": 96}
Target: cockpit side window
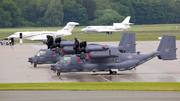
{"x": 62, "y": 60}
{"x": 41, "y": 53}
{"x": 65, "y": 60}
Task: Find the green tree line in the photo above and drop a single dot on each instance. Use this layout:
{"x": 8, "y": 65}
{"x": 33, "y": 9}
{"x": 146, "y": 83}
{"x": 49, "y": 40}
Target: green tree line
{"x": 43, "y": 13}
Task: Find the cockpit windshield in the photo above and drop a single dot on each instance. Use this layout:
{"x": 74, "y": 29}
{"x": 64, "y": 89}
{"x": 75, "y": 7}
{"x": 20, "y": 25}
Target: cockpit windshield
{"x": 15, "y": 34}
{"x": 5, "y": 39}
{"x": 41, "y": 53}
{"x": 65, "y": 60}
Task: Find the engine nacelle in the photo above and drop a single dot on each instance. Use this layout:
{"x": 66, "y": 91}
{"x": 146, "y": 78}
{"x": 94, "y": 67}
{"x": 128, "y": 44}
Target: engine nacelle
{"x": 68, "y": 49}
{"x": 118, "y": 25}
{"x": 90, "y": 48}
{"x": 66, "y": 43}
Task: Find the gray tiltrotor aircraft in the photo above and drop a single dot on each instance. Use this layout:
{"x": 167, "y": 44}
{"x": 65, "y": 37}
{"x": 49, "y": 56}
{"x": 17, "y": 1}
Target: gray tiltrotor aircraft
{"x": 54, "y": 52}
{"x": 58, "y": 48}
{"x": 106, "y": 58}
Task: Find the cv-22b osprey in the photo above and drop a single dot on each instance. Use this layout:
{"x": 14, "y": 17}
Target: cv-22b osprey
{"x": 58, "y": 48}
{"x": 110, "y": 59}
{"x": 49, "y": 56}
{"x": 54, "y": 52}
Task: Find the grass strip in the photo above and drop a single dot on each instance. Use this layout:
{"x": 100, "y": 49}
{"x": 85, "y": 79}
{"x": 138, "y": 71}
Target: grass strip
{"x": 102, "y": 38}
{"x": 143, "y": 32}
{"x": 95, "y": 86}
{"x": 106, "y": 38}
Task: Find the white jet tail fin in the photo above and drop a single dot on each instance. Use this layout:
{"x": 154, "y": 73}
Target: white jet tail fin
{"x": 126, "y": 20}
{"x": 69, "y": 27}
{"x": 124, "y": 25}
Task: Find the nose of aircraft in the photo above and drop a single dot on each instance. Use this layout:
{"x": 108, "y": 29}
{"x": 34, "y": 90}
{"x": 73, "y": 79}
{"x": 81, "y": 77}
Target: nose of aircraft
{"x": 84, "y": 29}
{"x": 31, "y": 59}
{"x": 54, "y": 67}
{"x": 12, "y": 36}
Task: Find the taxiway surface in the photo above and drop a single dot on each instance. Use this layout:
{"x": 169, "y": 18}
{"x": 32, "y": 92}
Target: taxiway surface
{"x": 15, "y": 68}
{"x": 89, "y": 96}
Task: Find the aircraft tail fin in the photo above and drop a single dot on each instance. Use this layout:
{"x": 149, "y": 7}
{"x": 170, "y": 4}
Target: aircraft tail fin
{"x": 69, "y": 27}
{"x": 167, "y": 48}
{"x": 126, "y": 20}
{"x": 127, "y": 43}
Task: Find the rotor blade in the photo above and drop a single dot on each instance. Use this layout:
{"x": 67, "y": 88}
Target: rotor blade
{"x": 83, "y": 44}
{"x": 57, "y": 42}
{"x": 49, "y": 41}
{"x": 76, "y": 45}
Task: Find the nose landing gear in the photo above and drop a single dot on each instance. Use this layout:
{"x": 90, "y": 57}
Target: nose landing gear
{"x": 35, "y": 65}
{"x": 58, "y": 73}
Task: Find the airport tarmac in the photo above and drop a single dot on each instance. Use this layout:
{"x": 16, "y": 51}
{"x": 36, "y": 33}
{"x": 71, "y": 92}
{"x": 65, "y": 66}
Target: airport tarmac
{"x": 89, "y": 96}
{"x": 15, "y": 68}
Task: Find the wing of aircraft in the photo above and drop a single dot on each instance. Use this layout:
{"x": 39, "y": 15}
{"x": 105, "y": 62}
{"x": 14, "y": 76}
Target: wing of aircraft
{"x": 38, "y": 38}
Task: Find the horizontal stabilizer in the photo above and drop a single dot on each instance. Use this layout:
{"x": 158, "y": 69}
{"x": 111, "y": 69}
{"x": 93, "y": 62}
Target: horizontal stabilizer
{"x": 128, "y": 23}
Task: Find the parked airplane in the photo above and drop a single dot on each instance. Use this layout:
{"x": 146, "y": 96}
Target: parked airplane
{"x": 52, "y": 54}
{"x": 58, "y": 48}
{"x": 41, "y": 35}
{"x": 109, "y": 29}
{"x": 110, "y": 59}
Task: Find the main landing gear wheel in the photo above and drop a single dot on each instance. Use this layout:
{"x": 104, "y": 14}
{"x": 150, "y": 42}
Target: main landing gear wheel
{"x": 58, "y": 73}
{"x": 112, "y": 72}
{"x": 35, "y": 65}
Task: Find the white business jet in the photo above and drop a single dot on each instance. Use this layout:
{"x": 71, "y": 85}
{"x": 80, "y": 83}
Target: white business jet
{"x": 41, "y": 35}
{"x": 109, "y": 29}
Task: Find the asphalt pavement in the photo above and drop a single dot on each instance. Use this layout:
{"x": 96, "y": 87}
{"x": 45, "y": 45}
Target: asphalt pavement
{"x": 15, "y": 68}
{"x": 89, "y": 96}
